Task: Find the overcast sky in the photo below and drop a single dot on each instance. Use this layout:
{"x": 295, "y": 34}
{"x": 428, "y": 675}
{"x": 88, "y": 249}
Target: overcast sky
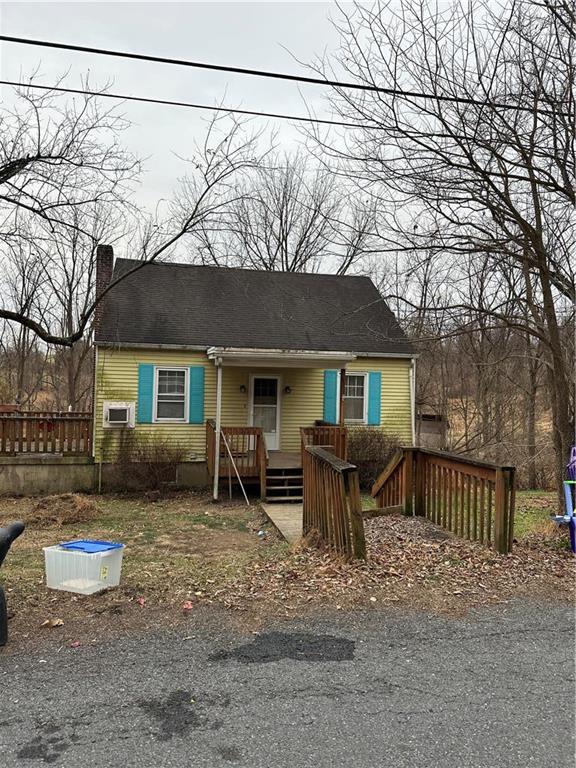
{"x": 257, "y": 35}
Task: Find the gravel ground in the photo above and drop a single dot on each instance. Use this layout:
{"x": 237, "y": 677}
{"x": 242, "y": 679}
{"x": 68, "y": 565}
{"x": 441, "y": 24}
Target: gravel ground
{"x": 365, "y": 689}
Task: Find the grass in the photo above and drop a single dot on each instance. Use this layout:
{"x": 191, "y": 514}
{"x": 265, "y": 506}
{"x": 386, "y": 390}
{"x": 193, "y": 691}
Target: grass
{"x": 182, "y": 549}
{"x": 178, "y": 549}
{"x": 367, "y": 501}
{"x": 533, "y": 510}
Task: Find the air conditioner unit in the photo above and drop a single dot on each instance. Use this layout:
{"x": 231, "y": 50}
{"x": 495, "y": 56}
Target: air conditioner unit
{"x": 118, "y": 414}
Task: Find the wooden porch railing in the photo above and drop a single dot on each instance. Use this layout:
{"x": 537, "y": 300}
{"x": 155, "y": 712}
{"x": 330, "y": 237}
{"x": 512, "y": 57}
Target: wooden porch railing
{"x": 45, "y": 432}
{"x": 331, "y": 438}
{"x": 248, "y": 450}
{"x": 473, "y": 499}
{"x": 332, "y": 504}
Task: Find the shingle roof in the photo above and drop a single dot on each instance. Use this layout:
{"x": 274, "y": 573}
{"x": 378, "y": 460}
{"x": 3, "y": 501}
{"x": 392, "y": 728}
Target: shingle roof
{"x": 181, "y": 304}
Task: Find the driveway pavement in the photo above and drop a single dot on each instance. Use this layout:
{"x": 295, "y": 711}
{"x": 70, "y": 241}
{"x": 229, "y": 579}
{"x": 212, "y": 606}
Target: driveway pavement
{"x": 367, "y": 690}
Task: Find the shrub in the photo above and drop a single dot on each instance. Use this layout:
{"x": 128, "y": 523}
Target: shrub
{"x": 370, "y": 450}
{"x": 146, "y": 462}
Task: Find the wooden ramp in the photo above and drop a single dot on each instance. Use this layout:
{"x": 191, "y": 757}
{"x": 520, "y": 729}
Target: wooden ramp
{"x": 287, "y": 518}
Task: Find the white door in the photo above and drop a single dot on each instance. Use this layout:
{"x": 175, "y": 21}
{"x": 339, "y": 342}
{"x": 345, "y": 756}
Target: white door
{"x": 265, "y": 409}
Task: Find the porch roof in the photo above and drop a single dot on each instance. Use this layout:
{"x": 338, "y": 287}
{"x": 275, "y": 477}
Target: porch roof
{"x": 279, "y": 358}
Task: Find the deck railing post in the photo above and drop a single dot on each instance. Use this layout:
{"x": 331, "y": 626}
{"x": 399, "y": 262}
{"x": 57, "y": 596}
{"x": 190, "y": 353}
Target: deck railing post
{"x": 503, "y": 509}
{"x": 408, "y": 481}
{"x": 355, "y": 514}
{"x": 420, "y": 483}
{"x": 261, "y": 458}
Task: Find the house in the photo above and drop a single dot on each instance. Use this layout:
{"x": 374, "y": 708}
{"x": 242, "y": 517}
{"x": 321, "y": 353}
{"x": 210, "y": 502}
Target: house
{"x": 186, "y": 352}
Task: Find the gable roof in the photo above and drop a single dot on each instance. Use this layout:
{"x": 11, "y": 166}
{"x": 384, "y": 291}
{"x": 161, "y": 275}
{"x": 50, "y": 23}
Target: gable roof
{"x": 197, "y": 306}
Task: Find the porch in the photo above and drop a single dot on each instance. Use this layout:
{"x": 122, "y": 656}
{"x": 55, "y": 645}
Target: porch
{"x": 243, "y": 458}
{"x": 268, "y": 406}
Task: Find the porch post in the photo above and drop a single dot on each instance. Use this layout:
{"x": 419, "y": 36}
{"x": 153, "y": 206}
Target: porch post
{"x": 413, "y": 399}
{"x": 341, "y": 403}
{"x": 217, "y": 430}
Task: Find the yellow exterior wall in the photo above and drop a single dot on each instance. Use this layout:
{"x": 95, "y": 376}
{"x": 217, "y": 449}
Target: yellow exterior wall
{"x": 395, "y": 417}
{"x": 117, "y": 380}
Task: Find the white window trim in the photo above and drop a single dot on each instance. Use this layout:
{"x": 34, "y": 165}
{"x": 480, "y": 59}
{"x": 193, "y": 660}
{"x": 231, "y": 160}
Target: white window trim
{"x": 184, "y": 420}
{"x": 364, "y": 419}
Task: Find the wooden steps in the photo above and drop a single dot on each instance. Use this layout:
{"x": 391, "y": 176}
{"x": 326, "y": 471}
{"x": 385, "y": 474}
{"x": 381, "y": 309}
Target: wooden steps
{"x": 284, "y": 485}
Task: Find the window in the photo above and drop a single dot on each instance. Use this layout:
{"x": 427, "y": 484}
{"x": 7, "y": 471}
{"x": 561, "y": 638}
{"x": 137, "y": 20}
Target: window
{"x": 171, "y": 389}
{"x": 355, "y": 397}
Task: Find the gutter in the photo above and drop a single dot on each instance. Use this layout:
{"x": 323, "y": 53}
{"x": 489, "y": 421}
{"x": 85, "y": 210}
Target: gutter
{"x": 252, "y": 350}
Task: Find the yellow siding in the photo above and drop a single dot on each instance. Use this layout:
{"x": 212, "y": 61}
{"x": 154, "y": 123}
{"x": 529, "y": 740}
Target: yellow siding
{"x": 117, "y": 379}
{"x": 395, "y": 414}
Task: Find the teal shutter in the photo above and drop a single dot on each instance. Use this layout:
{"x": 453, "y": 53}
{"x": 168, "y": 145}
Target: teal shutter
{"x": 330, "y": 397}
{"x": 196, "y": 410}
{"x": 145, "y": 393}
{"x": 374, "y": 397}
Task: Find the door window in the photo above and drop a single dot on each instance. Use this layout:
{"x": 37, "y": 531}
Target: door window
{"x": 265, "y": 404}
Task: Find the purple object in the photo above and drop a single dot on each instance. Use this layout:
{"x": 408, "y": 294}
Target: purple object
{"x": 571, "y": 466}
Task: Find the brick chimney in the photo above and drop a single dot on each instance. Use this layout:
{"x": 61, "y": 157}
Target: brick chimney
{"x": 104, "y": 265}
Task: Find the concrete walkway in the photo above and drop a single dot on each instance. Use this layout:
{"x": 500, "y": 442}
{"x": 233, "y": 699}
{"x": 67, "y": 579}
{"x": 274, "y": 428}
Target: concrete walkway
{"x": 287, "y": 518}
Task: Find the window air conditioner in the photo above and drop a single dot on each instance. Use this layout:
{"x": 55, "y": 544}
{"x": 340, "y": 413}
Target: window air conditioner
{"x": 118, "y": 414}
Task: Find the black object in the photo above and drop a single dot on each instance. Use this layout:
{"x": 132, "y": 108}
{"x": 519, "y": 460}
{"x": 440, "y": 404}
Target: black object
{"x": 7, "y": 536}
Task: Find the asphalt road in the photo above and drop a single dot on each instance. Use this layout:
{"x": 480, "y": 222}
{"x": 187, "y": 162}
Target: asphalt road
{"x": 367, "y": 690}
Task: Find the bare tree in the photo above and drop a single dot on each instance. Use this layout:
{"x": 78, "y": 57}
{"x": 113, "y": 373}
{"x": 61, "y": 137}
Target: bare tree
{"x": 289, "y": 218}
{"x": 486, "y": 162}
{"x": 63, "y": 173}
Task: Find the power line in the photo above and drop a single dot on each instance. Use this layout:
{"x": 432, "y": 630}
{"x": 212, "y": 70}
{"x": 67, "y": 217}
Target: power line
{"x": 398, "y": 92}
{"x": 187, "y": 104}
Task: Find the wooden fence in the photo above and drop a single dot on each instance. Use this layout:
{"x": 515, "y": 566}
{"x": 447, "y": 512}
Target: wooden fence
{"x": 45, "y": 432}
{"x": 331, "y": 503}
{"x": 248, "y": 450}
{"x": 332, "y": 438}
{"x": 473, "y": 499}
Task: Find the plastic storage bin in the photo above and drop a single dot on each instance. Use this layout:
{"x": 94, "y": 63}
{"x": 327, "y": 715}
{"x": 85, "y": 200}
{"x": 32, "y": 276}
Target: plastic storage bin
{"x": 84, "y": 566}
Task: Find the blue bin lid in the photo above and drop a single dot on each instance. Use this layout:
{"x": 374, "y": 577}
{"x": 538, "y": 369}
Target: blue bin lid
{"x": 90, "y": 545}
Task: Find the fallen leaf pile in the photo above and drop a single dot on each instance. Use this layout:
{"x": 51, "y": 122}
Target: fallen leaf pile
{"x": 410, "y": 560}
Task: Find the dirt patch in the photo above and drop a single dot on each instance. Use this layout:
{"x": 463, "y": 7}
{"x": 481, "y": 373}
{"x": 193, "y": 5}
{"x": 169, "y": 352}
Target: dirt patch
{"x": 203, "y": 542}
{"x": 66, "y": 509}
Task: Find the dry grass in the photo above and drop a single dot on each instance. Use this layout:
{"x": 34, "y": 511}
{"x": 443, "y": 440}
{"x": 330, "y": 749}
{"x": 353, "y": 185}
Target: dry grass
{"x": 66, "y": 509}
{"x": 184, "y": 550}
{"x": 178, "y": 549}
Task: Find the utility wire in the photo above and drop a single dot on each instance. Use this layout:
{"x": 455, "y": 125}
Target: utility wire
{"x": 269, "y": 74}
{"x": 187, "y": 104}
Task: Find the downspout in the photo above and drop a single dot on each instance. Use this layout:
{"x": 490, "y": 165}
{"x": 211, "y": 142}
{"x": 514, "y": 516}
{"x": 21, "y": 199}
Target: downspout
{"x": 413, "y": 398}
{"x": 218, "y": 364}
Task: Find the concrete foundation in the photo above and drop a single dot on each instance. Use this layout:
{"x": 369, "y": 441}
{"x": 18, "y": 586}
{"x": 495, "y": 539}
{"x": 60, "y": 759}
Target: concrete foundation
{"x": 44, "y": 474}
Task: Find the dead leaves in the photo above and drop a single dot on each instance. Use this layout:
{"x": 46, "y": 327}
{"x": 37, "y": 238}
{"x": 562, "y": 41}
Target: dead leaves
{"x": 51, "y": 623}
{"x": 409, "y": 559}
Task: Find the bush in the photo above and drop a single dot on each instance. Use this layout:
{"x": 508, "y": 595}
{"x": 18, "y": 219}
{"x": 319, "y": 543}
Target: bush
{"x": 146, "y": 463}
{"x": 370, "y": 450}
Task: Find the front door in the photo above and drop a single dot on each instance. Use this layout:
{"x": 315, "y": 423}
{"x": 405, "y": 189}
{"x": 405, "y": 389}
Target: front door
{"x": 265, "y": 410}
